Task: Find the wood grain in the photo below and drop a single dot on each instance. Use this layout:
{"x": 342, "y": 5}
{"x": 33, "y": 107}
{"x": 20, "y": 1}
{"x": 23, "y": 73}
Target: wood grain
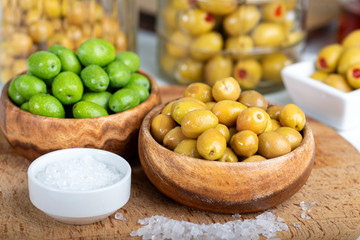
{"x": 32, "y": 135}
{"x": 334, "y": 184}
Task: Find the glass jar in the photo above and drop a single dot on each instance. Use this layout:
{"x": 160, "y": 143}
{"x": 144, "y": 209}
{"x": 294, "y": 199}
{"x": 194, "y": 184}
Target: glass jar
{"x": 31, "y": 25}
{"x": 252, "y": 40}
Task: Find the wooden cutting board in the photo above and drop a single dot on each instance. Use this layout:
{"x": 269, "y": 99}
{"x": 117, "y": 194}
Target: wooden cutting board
{"x": 334, "y": 184}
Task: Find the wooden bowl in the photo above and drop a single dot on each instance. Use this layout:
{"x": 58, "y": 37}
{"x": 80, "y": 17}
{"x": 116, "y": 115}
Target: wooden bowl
{"x": 32, "y": 135}
{"x": 223, "y": 186}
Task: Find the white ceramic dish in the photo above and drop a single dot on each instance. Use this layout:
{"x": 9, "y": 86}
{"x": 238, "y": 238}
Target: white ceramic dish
{"x": 320, "y": 101}
{"x": 79, "y": 207}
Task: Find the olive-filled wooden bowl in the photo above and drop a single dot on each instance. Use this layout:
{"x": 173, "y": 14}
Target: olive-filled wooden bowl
{"x": 33, "y": 135}
{"x": 225, "y": 187}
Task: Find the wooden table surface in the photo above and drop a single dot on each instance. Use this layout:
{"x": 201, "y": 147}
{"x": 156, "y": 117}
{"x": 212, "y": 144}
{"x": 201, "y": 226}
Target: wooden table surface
{"x": 334, "y": 184}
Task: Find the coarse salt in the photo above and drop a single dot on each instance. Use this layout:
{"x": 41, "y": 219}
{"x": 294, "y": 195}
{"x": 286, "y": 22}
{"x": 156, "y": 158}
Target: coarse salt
{"x": 79, "y": 174}
{"x": 160, "y": 227}
{"x": 119, "y": 216}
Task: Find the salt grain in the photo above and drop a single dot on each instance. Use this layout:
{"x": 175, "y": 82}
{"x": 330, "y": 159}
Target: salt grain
{"x": 79, "y": 174}
{"x": 305, "y": 207}
{"x": 160, "y": 227}
{"x": 119, "y": 216}
{"x": 296, "y": 225}
{"x": 236, "y": 215}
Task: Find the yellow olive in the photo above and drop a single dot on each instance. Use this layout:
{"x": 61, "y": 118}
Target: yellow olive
{"x": 32, "y": 16}
{"x": 352, "y": 39}
{"x": 338, "y": 81}
{"x": 353, "y": 76}
{"x": 319, "y": 75}
{"x": 206, "y": 45}
{"x": 244, "y": 143}
{"x": 217, "y": 7}
{"x": 199, "y": 91}
{"x": 22, "y": 44}
{"x": 167, "y": 63}
{"x": 252, "y": 98}
{"x": 268, "y": 34}
{"x": 188, "y": 147}
{"x": 292, "y": 116}
{"x": 269, "y": 125}
{"x": 181, "y": 4}
{"x": 209, "y": 105}
{"x": 248, "y": 73}
{"x": 227, "y": 111}
{"x": 189, "y": 71}
{"x": 273, "y": 144}
{"x": 173, "y": 138}
{"x": 196, "y": 21}
{"x": 211, "y": 144}
{"x": 19, "y": 66}
{"x": 180, "y": 109}
{"x": 196, "y": 122}
{"x": 275, "y": 124}
{"x": 242, "y": 20}
{"x": 293, "y": 136}
{"x": 252, "y": 118}
{"x": 328, "y": 58}
{"x": 274, "y": 111}
{"x": 224, "y": 130}
{"x": 170, "y": 17}
{"x": 183, "y": 99}
{"x": 226, "y": 89}
{"x": 40, "y": 31}
{"x": 62, "y": 39}
{"x": 293, "y": 37}
{"x": 216, "y": 68}
{"x": 349, "y": 57}
{"x": 160, "y": 126}
{"x": 272, "y": 65}
{"x": 254, "y": 158}
{"x": 178, "y": 44}
{"x": 274, "y": 11}
{"x": 229, "y": 156}
{"x": 238, "y": 45}
{"x": 52, "y": 8}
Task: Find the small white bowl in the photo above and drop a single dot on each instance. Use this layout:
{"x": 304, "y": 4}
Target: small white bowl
{"x": 320, "y": 101}
{"x": 79, "y": 207}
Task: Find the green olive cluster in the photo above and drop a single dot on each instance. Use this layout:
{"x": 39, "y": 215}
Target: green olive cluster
{"x": 223, "y": 123}
{"x": 206, "y": 40}
{"x": 338, "y": 65}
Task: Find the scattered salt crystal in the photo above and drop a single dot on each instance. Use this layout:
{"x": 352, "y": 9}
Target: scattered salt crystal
{"x": 160, "y": 227}
{"x": 305, "y": 207}
{"x": 79, "y": 174}
{"x": 236, "y": 215}
{"x": 296, "y": 225}
{"x": 119, "y": 216}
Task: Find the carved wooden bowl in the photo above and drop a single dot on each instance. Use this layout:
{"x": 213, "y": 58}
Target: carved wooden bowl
{"x": 223, "y": 186}
{"x": 32, "y": 135}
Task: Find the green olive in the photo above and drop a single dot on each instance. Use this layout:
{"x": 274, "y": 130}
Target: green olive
{"x": 173, "y": 138}
{"x": 224, "y": 130}
{"x": 189, "y": 71}
{"x": 199, "y": 91}
{"x": 239, "y": 45}
{"x": 273, "y": 144}
{"x": 242, "y": 20}
{"x": 217, "y": 7}
{"x": 353, "y": 76}
{"x": 178, "y": 44}
{"x": 252, "y": 118}
{"x": 338, "y": 81}
{"x": 197, "y": 121}
{"x": 206, "y": 45}
{"x": 248, "y": 73}
{"x": 319, "y": 75}
{"x": 211, "y": 144}
{"x": 227, "y": 111}
{"x": 216, "y": 68}
{"x": 292, "y": 135}
{"x": 349, "y": 57}
{"x": 292, "y": 116}
{"x": 252, "y": 98}
{"x": 196, "y": 21}
{"x": 226, "y": 89}
{"x": 229, "y": 156}
{"x": 182, "y": 108}
{"x": 187, "y": 147}
{"x": 274, "y": 111}
{"x": 274, "y": 11}
{"x": 244, "y": 143}
{"x": 272, "y": 65}
{"x": 254, "y": 158}
{"x": 161, "y": 125}
{"x": 268, "y": 34}
{"x": 328, "y": 58}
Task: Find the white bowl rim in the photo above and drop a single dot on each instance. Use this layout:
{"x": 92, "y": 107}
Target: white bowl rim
{"x": 45, "y": 157}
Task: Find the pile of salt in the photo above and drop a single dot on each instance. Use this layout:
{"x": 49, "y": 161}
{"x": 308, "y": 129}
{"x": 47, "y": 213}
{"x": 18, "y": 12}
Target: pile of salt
{"x": 159, "y": 227}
